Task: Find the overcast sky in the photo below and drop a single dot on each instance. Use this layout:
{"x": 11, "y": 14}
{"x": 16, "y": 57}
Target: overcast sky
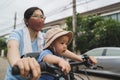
{"x": 53, "y": 9}
{"x": 9, "y": 7}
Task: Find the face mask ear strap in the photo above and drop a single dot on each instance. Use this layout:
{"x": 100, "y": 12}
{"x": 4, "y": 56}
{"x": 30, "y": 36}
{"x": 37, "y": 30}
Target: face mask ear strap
{"x": 26, "y": 22}
{"x": 53, "y": 48}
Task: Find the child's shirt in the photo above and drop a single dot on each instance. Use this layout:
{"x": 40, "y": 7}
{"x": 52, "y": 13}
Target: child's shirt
{"x": 42, "y": 55}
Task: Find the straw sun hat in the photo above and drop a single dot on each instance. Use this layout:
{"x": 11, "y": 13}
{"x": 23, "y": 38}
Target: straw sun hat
{"x": 54, "y": 33}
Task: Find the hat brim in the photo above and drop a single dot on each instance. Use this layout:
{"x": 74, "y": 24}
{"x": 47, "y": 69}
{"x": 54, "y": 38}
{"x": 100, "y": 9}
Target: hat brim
{"x": 68, "y": 33}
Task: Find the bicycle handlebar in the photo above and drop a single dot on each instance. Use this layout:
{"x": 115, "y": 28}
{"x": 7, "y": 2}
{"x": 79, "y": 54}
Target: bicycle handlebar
{"x": 45, "y": 69}
{"x": 16, "y": 71}
{"x": 49, "y": 68}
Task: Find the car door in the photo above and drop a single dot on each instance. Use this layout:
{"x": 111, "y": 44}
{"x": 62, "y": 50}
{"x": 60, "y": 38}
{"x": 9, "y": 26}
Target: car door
{"x": 110, "y": 60}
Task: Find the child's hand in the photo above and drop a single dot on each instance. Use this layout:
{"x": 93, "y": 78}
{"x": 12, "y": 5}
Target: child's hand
{"x": 65, "y": 66}
{"x": 93, "y": 59}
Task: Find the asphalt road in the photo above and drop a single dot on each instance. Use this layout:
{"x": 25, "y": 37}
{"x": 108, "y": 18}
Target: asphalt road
{"x": 3, "y": 67}
{"x": 4, "y": 64}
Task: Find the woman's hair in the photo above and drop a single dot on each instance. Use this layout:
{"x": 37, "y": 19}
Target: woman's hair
{"x": 28, "y": 13}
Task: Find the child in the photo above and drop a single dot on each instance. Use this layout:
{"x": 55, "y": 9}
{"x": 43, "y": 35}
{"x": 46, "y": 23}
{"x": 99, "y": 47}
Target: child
{"x": 55, "y": 47}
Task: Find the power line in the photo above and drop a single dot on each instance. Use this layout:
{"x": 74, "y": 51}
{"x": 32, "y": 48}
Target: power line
{"x": 66, "y": 7}
{"x": 58, "y": 10}
{"x": 6, "y": 4}
{"x": 84, "y": 2}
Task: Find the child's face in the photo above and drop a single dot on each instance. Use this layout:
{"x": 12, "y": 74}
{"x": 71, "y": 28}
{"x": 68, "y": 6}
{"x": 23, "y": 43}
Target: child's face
{"x": 60, "y": 44}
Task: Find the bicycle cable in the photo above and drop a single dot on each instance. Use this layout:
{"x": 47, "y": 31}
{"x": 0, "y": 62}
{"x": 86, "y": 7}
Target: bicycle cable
{"x": 86, "y": 74}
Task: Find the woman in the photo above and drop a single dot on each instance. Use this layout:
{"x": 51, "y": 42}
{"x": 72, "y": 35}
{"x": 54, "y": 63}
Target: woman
{"x": 28, "y": 39}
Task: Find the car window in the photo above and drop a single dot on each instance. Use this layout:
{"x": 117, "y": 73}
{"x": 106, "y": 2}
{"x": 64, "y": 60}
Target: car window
{"x": 113, "y": 52}
{"x": 95, "y": 52}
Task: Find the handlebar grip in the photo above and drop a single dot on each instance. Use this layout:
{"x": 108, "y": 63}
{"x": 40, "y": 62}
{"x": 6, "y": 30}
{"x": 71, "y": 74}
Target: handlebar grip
{"x": 16, "y": 70}
{"x": 43, "y": 66}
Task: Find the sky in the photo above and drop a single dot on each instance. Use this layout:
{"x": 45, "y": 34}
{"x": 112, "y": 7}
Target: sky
{"x": 8, "y": 8}
{"x": 53, "y": 9}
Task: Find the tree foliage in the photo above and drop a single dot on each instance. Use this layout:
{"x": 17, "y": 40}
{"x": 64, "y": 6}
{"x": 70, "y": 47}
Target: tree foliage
{"x": 95, "y": 31}
{"x": 3, "y": 45}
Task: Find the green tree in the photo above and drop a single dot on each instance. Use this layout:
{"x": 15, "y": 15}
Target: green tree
{"x": 95, "y": 31}
{"x": 3, "y": 45}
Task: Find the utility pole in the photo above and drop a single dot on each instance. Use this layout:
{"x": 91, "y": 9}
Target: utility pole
{"x": 15, "y": 18}
{"x": 74, "y": 21}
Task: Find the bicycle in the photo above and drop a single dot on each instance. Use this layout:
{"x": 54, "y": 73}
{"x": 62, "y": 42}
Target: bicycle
{"x": 55, "y": 71}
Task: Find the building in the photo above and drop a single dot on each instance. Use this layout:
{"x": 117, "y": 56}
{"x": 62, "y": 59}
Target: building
{"x": 109, "y": 11}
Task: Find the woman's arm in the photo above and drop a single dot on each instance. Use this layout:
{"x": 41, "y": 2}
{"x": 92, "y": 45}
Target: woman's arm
{"x": 13, "y": 52}
{"x": 24, "y": 64}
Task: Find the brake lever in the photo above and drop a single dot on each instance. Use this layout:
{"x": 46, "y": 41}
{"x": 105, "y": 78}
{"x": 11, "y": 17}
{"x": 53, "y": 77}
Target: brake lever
{"x": 87, "y": 61}
{"x": 89, "y": 64}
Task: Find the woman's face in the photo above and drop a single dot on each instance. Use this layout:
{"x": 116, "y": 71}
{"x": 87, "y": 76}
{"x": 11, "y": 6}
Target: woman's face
{"x": 36, "y": 21}
{"x": 37, "y": 14}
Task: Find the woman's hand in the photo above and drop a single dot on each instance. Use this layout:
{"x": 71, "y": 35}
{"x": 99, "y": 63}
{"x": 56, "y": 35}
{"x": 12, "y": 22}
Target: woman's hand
{"x": 27, "y": 65}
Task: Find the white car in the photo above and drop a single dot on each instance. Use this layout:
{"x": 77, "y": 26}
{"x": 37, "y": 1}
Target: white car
{"x": 108, "y": 58}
